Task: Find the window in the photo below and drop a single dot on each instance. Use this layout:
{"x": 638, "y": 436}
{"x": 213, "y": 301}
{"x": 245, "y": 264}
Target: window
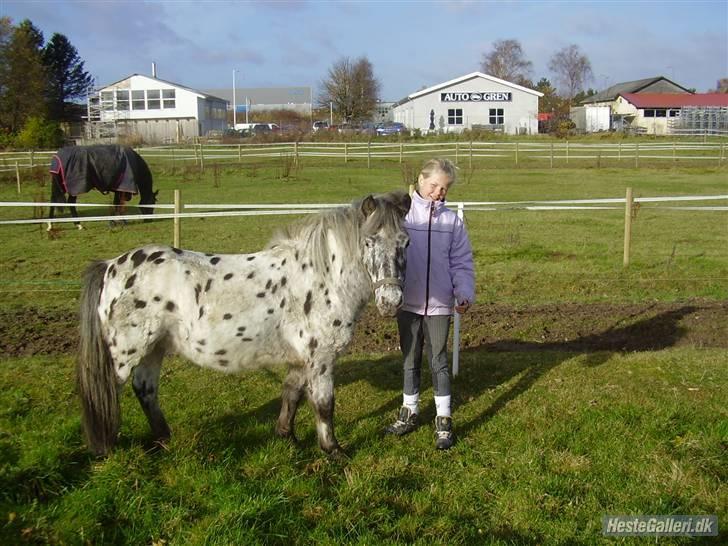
{"x": 650, "y": 113}
{"x": 674, "y": 113}
{"x": 661, "y": 113}
{"x": 496, "y": 116}
{"x": 168, "y": 97}
{"x": 455, "y": 116}
{"x": 153, "y": 102}
{"x": 107, "y": 100}
{"x": 122, "y": 99}
{"x": 137, "y": 100}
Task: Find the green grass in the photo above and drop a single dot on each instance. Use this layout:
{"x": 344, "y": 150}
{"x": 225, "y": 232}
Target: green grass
{"x": 521, "y": 256}
{"x": 548, "y": 443}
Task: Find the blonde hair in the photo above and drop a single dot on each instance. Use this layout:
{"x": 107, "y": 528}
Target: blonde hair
{"x": 445, "y": 166}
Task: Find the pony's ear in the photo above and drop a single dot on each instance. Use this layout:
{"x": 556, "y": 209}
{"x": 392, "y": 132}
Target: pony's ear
{"x": 368, "y": 205}
{"x": 404, "y": 204}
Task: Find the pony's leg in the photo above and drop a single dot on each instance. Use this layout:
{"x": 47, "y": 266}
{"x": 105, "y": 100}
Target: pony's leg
{"x": 146, "y": 387}
{"x": 321, "y": 395}
{"x": 71, "y": 202}
{"x": 293, "y": 388}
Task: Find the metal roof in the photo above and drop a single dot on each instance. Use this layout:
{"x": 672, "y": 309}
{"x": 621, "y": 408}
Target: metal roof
{"x": 265, "y": 95}
{"x": 676, "y": 100}
{"x": 611, "y": 93}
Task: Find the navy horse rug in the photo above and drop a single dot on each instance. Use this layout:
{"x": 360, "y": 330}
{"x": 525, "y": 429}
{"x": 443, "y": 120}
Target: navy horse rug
{"x": 105, "y": 168}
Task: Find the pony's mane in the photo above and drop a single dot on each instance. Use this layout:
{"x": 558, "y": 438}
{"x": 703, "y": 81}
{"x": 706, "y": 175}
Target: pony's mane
{"x": 310, "y": 235}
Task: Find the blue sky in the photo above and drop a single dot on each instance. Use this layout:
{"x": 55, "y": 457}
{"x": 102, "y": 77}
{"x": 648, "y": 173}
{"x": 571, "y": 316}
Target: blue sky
{"x": 411, "y": 44}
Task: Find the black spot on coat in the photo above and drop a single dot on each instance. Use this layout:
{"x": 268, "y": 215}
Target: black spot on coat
{"x": 138, "y": 257}
{"x": 307, "y": 303}
{"x": 140, "y": 304}
{"x": 154, "y": 255}
{"x": 170, "y": 306}
{"x": 130, "y": 282}
{"x": 228, "y": 276}
{"x": 227, "y": 316}
{"x": 214, "y": 260}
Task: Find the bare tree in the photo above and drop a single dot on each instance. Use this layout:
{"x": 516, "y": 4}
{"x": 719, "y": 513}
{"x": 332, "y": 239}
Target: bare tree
{"x": 352, "y": 88}
{"x": 507, "y": 61}
{"x": 572, "y": 70}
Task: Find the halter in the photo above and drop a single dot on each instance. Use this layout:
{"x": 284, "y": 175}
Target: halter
{"x": 387, "y": 280}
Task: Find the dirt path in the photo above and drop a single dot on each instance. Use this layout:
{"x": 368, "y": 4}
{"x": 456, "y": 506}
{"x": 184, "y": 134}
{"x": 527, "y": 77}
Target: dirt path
{"x": 571, "y": 327}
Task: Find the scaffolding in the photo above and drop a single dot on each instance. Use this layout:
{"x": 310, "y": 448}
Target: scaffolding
{"x": 700, "y": 120}
{"x": 107, "y": 112}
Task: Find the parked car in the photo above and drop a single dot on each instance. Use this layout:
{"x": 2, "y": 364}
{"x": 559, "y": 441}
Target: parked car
{"x": 391, "y": 128}
{"x": 318, "y": 125}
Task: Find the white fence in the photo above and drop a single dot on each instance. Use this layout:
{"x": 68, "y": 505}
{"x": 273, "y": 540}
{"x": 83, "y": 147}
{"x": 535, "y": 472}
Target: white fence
{"x": 559, "y": 153}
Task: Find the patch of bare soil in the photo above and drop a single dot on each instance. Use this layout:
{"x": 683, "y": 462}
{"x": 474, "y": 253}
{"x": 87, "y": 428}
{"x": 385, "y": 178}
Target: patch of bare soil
{"x": 563, "y": 326}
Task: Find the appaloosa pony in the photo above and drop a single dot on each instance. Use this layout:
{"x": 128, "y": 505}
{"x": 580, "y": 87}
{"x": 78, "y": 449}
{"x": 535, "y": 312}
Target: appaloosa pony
{"x": 295, "y": 302}
{"x": 106, "y": 168}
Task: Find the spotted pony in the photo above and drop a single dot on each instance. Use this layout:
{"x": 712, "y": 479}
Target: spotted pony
{"x": 296, "y": 302}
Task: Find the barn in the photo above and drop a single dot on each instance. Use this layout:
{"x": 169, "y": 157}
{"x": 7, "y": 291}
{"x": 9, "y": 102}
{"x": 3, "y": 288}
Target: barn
{"x": 473, "y": 101}
{"x": 156, "y": 110}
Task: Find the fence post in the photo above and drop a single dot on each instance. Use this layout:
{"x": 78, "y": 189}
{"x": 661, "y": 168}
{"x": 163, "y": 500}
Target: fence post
{"x": 240, "y": 153}
{"x": 456, "y": 322}
{"x": 599, "y": 158}
{"x": 32, "y": 163}
{"x": 552, "y": 155}
{"x": 567, "y": 152}
{"x": 177, "y": 210}
{"x": 401, "y": 151}
{"x": 637, "y": 155}
{"x": 516, "y": 154}
{"x": 369, "y": 154}
{"x": 628, "y": 203}
{"x": 17, "y": 174}
{"x": 471, "y": 154}
{"x": 457, "y": 152}
{"x": 619, "y": 152}
{"x": 674, "y": 157}
{"x": 346, "y": 152}
{"x": 202, "y": 157}
{"x": 295, "y": 150}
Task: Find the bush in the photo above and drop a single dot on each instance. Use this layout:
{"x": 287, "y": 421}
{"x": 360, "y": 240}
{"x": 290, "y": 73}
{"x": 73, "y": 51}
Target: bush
{"x": 40, "y": 133}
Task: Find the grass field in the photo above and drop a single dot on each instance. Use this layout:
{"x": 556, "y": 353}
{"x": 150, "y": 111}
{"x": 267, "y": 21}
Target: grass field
{"x": 549, "y": 440}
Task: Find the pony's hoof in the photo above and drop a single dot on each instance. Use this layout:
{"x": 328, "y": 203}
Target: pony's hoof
{"x": 339, "y": 455}
{"x": 287, "y": 436}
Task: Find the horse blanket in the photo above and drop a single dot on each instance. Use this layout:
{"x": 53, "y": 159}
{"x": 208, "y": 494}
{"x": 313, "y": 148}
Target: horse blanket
{"x": 105, "y": 168}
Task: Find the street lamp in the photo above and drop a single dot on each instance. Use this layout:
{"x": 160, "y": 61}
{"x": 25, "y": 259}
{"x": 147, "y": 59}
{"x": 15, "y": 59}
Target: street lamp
{"x": 235, "y": 108}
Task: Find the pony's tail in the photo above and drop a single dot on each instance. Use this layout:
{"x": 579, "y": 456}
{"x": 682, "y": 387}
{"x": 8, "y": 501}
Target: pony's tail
{"x": 96, "y": 379}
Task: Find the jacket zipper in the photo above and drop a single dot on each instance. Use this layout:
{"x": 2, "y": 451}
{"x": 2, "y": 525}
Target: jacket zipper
{"x": 429, "y": 251}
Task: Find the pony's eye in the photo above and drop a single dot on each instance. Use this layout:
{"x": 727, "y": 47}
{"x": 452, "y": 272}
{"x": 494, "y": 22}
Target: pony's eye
{"x": 369, "y": 241}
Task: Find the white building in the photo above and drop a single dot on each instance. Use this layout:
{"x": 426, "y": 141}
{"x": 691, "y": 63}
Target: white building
{"x": 155, "y": 110}
{"x": 473, "y": 101}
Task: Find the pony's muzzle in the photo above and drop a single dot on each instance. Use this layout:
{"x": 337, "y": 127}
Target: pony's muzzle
{"x": 388, "y": 296}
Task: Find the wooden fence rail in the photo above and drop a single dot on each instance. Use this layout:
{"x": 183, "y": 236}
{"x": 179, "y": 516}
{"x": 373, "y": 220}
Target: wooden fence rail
{"x": 561, "y": 153}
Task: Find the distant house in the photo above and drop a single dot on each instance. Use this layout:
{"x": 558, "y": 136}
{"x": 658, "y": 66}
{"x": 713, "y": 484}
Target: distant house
{"x": 155, "y": 110}
{"x": 598, "y": 112}
{"x": 472, "y": 101}
{"x": 664, "y": 113}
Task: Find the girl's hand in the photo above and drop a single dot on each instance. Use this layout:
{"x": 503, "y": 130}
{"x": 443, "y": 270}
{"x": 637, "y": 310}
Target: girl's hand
{"x": 462, "y": 307}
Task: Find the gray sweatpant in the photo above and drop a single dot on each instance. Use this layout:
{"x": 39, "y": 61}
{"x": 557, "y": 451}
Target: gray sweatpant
{"x": 416, "y": 331}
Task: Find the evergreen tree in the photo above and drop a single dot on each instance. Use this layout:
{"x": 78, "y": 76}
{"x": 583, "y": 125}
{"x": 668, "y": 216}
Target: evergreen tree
{"x": 67, "y": 79}
{"x": 23, "y": 85}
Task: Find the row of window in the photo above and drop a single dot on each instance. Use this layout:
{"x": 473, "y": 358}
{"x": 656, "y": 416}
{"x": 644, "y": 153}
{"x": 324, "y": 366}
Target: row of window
{"x": 661, "y": 113}
{"x": 138, "y": 99}
{"x": 455, "y": 116}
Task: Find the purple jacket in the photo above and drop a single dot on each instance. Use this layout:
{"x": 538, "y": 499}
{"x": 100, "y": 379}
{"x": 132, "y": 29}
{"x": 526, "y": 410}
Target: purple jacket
{"x": 439, "y": 259}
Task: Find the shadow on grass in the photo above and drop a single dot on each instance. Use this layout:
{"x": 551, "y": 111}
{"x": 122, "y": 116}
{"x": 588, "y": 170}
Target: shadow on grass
{"x": 655, "y": 333}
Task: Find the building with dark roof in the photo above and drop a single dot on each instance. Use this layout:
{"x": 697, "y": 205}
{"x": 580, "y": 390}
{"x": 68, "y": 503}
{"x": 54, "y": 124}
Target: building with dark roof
{"x": 666, "y": 113}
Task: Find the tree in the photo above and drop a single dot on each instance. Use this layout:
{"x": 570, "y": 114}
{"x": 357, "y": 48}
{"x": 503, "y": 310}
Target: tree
{"x": 507, "y": 62}
{"x": 24, "y": 77}
{"x": 67, "y": 79}
{"x": 550, "y": 102}
{"x": 351, "y": 87}
{"x": 572, "y": 70}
